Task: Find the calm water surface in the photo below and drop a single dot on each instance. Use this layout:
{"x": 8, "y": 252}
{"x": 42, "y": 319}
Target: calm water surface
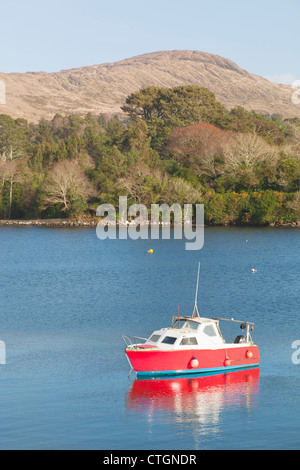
{"x": 66, "y": 299}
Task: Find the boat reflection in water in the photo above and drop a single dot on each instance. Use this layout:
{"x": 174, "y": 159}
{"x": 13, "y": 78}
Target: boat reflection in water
{"x": 200, "y": 399}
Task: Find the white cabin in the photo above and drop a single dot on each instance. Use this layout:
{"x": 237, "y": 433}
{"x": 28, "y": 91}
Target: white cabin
{"x": 192, "y": 333}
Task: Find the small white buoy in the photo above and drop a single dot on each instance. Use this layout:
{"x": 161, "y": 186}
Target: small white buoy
{"x": 194, "y": 363}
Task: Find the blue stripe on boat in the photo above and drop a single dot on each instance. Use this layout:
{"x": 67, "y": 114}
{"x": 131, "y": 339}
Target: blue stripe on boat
{"x": 164, "y": 373}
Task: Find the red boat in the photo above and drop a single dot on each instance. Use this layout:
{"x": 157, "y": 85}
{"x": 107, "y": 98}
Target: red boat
{"x": 192, "y": 345}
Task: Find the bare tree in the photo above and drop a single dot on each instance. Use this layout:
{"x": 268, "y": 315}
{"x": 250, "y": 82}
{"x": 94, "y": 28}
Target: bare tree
{"x": 248, "y": 150}
{"x": 178, "y": 191}
{"x": 142, "y": 185}
{"x": 150, "y": 187}
{"x": 65, "y": 183}
{"x": 291, "y": 150}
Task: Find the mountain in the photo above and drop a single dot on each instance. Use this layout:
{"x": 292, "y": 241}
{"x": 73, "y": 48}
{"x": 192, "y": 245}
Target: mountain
{"x": 103, "y": 88}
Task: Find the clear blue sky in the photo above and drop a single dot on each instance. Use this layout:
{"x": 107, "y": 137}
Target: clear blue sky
{"x": 261, "y": 36}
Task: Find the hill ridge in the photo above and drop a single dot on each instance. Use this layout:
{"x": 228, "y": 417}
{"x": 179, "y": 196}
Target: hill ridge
{"x": 103, "y": 88}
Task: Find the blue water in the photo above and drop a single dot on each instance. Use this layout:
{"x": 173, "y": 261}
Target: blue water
{"x": 66, "y": 299}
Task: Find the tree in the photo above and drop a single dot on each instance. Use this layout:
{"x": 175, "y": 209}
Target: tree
{"x": 163, "y": 109}
{"x": 182, "y": 104}
{"x": 142, "y": 185}
{"x": 66, "y": 184}
{"x": 240, "y": 120}
{"x": 178, "y": 191}
{"x": 295, "y": 204}
{"x": 289, "y": 173}
{"x": 12, "y": 154}
{"x": 199, "y": 147}
{"x": 247, "y": 150}
{"x": 137, "y": 143}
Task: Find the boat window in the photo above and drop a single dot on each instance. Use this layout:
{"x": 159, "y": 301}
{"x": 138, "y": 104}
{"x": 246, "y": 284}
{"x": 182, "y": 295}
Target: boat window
{"x": 154, "y": 338}
{"x": 189, "y": 341}
{"x": 191, "y": 324}
{"x": 178, "y": 324}
{"x": 209, "y": 330}
{"x": 169, "y": 340}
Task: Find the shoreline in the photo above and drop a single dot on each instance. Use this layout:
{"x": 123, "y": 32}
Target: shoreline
{"x": 49, "y": 223}
{"x": 66, "y": 223}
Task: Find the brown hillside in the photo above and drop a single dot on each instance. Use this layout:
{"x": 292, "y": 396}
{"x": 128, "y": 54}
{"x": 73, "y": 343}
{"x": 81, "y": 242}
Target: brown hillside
{"x": 103, "y": 88}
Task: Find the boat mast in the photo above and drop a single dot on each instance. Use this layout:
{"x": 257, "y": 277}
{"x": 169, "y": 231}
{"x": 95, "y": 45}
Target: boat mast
{"x": 195, "y": 311}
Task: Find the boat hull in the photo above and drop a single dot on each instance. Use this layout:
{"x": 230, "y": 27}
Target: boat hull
{"x": 156, "y": 362}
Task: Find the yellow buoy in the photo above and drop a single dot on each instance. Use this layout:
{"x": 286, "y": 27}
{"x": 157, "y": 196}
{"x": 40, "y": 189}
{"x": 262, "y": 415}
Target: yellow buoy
{"x": 150, "y": 251}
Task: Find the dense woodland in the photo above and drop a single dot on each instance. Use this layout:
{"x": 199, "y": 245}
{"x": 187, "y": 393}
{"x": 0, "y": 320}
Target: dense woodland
{"x": 176, "y": 145}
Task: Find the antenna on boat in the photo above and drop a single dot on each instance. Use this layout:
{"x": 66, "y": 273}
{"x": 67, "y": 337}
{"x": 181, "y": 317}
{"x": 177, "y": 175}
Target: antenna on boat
{"x": 195, "y": 311}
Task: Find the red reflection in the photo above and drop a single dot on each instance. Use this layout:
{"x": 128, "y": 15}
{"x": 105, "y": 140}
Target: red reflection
{"x": 197, "y": 394}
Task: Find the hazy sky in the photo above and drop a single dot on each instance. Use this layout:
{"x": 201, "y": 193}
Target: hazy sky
{"x": 261, "y": 36}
